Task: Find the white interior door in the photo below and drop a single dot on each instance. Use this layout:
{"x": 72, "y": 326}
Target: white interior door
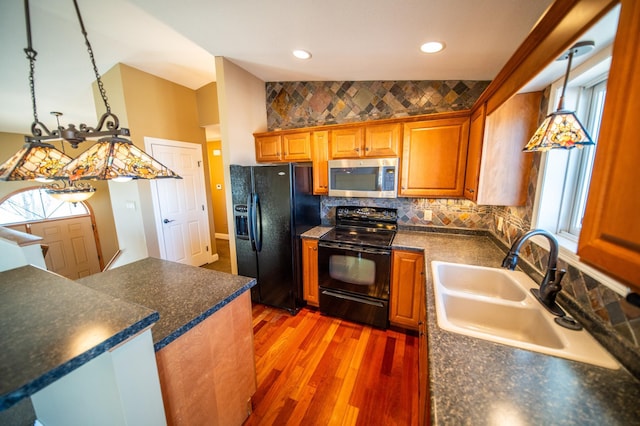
{"x": 72, "y": 246}
{"x": 180, "y": 204}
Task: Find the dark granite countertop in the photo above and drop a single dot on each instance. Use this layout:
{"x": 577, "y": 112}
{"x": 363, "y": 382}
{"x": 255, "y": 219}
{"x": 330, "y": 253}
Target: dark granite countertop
{"x": 317, "y": 232}
{"x": 183, "y": 295}
{"x": 49, "y": 326}
{"x": 473, "y": 381}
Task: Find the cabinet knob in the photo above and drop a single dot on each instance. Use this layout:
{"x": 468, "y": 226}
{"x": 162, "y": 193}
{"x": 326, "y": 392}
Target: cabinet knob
{"x": 470, "y": 190}
{"x": 315, "y": 249}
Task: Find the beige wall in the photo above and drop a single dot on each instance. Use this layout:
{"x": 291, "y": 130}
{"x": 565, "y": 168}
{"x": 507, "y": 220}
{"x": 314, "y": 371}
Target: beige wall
{"x": 100, "y": 201}
{"x": 158, "y": 108}
{"x": 241, "y": 102}
{"x": 207, "y": 97}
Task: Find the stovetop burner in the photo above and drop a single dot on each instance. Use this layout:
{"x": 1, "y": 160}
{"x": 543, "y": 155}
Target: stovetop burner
{"x": 371, "y": 226}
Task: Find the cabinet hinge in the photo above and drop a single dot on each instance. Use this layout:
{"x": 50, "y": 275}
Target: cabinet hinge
{"x": 199, "y": 163}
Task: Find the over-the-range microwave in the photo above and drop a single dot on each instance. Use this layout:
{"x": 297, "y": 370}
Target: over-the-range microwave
{"x": 371, "y": 177}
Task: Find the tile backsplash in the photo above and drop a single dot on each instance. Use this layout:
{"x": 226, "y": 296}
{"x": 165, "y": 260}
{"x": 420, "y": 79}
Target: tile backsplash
{"x": 314, "y": 103}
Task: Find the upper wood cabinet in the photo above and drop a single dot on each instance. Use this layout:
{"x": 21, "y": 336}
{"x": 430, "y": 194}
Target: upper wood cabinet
{"x": 497, "y": 169}
{"x": 320, "y": 156}
{"x": 382, "y": 140}
{"x": 434, "y": 155}
{"x": 474, "y": 153}
{"x": 284, "y": 147}
{"x": 346, "y": 143}
{"x": 371, "y": 140}
{"x": 269, "y": 148}
{"x": 610, "y": 237}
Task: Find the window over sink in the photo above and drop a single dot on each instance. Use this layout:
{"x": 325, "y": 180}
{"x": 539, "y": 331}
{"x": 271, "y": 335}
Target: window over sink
{"x": 565, "y": 175}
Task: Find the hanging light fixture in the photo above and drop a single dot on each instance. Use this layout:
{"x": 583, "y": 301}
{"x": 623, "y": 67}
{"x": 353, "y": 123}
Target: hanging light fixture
{"x": 111, "y": 158}
{"x": 562, "y": 129}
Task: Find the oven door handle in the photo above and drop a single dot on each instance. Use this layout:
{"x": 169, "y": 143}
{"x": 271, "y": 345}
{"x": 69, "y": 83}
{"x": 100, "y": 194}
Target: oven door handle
{"x": 353, "y": 299}
{"x": 358, "y": 249}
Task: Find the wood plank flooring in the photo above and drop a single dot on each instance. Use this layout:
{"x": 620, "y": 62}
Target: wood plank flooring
{"x": 317, "y": 370}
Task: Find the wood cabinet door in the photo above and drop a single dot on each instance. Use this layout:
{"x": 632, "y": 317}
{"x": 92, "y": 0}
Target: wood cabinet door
{"x": 296, "y": 146}
{"x": 310, "y": 271}
{"x": 610, "y": 237}
{"x": 423, "y": 363}
{"x": 346, "y": 143}
{"x": 474, "y": 154}
{"x": 407, "y": 280}
{"x": 505, "y": 169}
{"x": 320, "y": 148}
{"x": 434, "y": 155}
{"x": 382, "y": 140}
{"x": 268, "y": 148}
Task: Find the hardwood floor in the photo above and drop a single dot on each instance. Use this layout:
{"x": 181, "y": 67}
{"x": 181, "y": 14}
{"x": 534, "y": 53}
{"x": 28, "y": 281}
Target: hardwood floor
{"x": 317, "y": 370}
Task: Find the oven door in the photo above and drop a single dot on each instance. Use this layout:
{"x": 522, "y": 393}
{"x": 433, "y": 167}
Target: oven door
{"x": 354, "y": 269}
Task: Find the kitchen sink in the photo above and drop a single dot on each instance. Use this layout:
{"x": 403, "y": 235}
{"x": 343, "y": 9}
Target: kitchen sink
{"x": 495, "y": 304}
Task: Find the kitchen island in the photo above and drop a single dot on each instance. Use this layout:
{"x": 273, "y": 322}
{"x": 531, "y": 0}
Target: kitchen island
{"x": 203, "y": 340}
{"x": 474, "y": 381}
{"x": 78, "y": 354}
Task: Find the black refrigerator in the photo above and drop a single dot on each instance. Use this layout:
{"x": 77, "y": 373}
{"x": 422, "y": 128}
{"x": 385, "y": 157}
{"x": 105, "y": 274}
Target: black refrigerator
{"x": 272, "y": 206}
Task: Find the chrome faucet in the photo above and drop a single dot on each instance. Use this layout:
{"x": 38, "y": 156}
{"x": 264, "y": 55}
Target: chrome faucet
{"x": 550, "y": 286}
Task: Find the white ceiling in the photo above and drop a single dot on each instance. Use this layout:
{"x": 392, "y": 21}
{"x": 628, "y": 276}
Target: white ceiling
{"x": 349, "y": 40}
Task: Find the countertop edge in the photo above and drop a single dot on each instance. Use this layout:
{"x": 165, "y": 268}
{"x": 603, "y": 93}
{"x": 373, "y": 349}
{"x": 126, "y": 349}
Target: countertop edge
{"x": 197, "y": 320}
{"x": 29, "y": 388}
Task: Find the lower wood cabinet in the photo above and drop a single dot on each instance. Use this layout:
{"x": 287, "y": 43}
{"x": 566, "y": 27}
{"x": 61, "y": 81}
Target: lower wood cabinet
{"x": 310, "y": 271}
{"x": 407, "y": 282}
{"x": 208, "y": 374}
{"x": 423, "y": 363}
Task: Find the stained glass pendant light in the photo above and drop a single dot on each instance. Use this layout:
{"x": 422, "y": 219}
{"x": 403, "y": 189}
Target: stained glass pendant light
{"x": 34, "y": 161}
{"x": 562, "y": 129}
{"x": 112, "y": 157}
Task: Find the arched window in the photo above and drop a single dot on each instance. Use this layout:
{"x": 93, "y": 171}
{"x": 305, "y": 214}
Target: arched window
{"x": 34, "y": 204}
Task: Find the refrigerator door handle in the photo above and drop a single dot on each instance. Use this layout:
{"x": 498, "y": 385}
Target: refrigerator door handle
{"x": 250, "y": 221}
{"x": 257, "y": 222}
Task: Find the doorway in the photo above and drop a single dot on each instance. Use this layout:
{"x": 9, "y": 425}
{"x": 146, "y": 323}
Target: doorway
{"x": 68, "y": 230}
{"x": 180, "y": 206}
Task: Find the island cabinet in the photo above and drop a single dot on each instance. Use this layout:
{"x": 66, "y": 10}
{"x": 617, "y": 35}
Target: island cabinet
{"x": 320, "y": 156}
{"x": 407, "y": 282}
{"x": 365, "y": 141}
{"x": 310, "y": 271}
{"x": 497, "y": 171}
{"x": 207, "y": 375}
{"x": 610, "y": 237}
{"x": 434, "y": 154}
{"x": 284, "y": 147}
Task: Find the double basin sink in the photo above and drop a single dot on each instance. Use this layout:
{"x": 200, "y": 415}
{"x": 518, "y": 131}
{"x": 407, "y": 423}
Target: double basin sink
{"x": 495, "y": 304}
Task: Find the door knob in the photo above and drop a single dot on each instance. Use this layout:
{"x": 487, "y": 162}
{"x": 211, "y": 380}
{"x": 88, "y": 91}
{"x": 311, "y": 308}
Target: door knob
{"x": 167, "y": 220}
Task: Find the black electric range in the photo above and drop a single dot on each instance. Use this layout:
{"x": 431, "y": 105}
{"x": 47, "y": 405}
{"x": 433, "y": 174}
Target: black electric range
{"x": 367, "y": 226}
{"x": 354, "y": 265}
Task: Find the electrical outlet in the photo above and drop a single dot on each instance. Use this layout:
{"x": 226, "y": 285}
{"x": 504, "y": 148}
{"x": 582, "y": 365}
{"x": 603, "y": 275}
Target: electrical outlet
{"x": 428, "y": 215}
{"x": 500, "y": 223}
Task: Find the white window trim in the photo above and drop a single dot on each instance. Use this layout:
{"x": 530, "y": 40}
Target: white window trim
{"x": 556, "y": 168}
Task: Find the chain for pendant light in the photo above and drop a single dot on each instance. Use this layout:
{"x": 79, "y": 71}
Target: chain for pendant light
{"x": 103, "y": 92}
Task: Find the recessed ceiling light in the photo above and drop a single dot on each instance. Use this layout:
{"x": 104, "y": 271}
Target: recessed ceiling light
{"x": 301, "y": 54}
{"x": 432, "y": 47}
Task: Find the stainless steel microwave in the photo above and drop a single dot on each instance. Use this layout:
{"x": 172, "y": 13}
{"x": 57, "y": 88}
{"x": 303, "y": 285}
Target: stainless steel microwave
{"x": 372, "y": 178}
